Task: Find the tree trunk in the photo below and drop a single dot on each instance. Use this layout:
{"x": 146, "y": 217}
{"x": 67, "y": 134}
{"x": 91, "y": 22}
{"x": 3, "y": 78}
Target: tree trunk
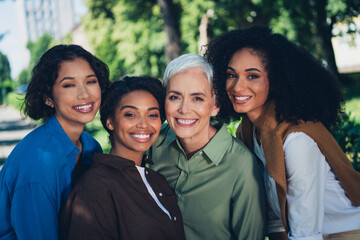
{"x": 171, "y": 29}
{"x": 203, "y": 39}
{"x": 324, "y": 30}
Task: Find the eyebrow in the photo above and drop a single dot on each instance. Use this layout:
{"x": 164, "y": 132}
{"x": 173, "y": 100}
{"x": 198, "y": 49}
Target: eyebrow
{"x": 191, "y": 94}
{"x": 246, "y": 70}
{"x": 72, "y": 78}
{"x": 133, "y": 107}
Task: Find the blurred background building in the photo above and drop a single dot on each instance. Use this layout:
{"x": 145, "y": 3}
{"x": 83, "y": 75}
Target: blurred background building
{"x": 36, "y": 17}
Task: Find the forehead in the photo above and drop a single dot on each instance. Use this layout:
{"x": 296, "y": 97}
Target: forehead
{"x": 192, "y": 79}
{"x": 139, "y": 98}
{"x": 247, "y": 56}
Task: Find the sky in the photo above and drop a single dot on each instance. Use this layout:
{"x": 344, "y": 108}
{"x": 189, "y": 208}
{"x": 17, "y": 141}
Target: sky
{"x": 10, "y": 44}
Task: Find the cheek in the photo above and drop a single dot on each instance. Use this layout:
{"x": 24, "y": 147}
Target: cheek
{"x": 170, "y": 108}
{"x": 157, "y": 125}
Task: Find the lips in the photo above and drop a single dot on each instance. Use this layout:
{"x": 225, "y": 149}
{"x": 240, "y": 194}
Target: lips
{"x": 141, "y": 137}
{"x": 241, "y": 99}
{"x": 84, "y": 108}
{"x": 186, "y": 122}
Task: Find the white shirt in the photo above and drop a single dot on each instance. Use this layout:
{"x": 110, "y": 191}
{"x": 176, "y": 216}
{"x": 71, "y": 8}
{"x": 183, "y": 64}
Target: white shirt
{"x": 316, "y": 202}
{"x": 141, "y": 170}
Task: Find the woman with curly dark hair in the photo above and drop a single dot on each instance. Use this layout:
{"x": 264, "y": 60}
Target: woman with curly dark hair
{"x": 65, "y": 90}
{"x": 287, "y": 100}
{"x": 118, "y": 197}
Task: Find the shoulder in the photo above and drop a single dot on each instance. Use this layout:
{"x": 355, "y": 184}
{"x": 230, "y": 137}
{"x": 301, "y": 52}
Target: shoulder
{"x": 166, "y": 135}
{"x": 237, "y": 155}
{"x": 95, "y": 181}
{"x": 89, "y": 139}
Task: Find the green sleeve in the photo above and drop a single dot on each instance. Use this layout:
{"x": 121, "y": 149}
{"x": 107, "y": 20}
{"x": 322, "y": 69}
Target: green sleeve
{"x": 248, "y": 217}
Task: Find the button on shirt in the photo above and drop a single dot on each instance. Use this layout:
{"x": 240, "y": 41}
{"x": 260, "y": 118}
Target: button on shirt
{"x": 316, "y": 202}
{"x": 219, "y": 189}
{"x": 36, "y": 179}
{"x": 111, "y": 201}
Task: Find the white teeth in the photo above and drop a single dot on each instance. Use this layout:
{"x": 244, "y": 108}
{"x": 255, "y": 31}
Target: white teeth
{"x": 242, "y": 98}
{"x": 84, "y": 107}
{"x": 142, "y": 136}
{"x": 185, "y": 121}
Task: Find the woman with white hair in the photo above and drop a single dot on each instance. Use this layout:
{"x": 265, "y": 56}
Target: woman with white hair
{"x": 215, "y": 177}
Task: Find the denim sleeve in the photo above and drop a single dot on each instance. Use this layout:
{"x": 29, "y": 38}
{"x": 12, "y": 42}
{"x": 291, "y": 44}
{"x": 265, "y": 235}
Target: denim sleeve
{"x": 33, "y": 213}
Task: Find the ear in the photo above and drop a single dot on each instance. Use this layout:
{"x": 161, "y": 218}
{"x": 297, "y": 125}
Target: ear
{"x": 215, "y": 111}
{"x": 49, "y": 102}
{"x": 109, "y": 124}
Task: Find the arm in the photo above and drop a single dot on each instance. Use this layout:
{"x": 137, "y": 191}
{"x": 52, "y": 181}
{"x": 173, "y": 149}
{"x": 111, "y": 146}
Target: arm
{"x": 89, "y": 216}
{"x": 248, "y": 216}
{"x": 34, "y": 213}
{"x": 305, "y": 177}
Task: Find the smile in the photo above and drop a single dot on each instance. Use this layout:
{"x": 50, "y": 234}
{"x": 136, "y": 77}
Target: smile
{"x": 141, "y": 138}
{"x": 185, "y": 122}
{"x": 242, "y": 99}
{"x": 84, "y": 108}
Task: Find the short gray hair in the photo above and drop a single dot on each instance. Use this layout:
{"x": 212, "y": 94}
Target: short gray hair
{"x": 186, "y": 62}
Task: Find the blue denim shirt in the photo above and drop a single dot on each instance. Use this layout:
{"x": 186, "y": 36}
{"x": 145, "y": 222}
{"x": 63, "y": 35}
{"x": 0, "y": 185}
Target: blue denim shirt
{"x": 36, "y": 180}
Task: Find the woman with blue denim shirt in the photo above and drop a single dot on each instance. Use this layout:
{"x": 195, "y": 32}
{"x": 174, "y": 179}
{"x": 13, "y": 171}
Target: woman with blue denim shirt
{"x": 65, "y": 91}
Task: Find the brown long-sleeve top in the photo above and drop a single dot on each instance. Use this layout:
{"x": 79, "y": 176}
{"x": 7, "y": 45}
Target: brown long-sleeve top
{"x": 111, "y": 201}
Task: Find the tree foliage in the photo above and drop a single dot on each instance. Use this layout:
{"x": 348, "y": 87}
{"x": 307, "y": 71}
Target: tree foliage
{"x": 37, "y": 49}
{"x": 5, "y": 71}
{"x": 132, "y": 36}
{"x": 5, "y": 77}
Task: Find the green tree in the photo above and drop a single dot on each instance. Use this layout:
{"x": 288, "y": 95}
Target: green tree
{"x": 37, "y": 49}
{"x": 5, "y": 77}
{"x": 133, "y": 39}
{"x": 311, "y": 22}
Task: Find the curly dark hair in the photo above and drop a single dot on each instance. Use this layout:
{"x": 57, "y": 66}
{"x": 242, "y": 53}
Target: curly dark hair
{"x": 118, "y": 89}
{"x": 301, "y": 87}
{"x": 45, "y": 73}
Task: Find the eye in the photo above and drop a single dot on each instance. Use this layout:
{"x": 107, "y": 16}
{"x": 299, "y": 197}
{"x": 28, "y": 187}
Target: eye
{"x": 68, "y": 85}
{"x": 154, "y": 115}
{"x": 230, "y": 75}
{"x": 129, "y": 114}
{"x": 173, "y": 97}
{"x": 253, "y": 76}
{"x": 92, "y": 81}
{"x": 198, "y": 99}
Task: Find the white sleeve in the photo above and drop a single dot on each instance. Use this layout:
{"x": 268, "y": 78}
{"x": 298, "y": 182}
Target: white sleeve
{"x": 305, "y": 176}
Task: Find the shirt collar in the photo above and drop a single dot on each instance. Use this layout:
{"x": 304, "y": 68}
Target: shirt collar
{"x": 117, "y": 161}
{"x": 68, "y": 146}
{"x": 214, "y": 150}
{"x": 65, "y": 142}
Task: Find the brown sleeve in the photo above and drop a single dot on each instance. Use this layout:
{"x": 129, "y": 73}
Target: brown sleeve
{"x": 89, "y": 215}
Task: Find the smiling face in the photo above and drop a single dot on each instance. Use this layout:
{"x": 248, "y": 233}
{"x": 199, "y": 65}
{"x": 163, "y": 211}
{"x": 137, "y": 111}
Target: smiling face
{"x": 247, "y": 83}
{"x": 76, "y": 94}
{"x": 136, "y": 124}
{"x": 189, "y": 104}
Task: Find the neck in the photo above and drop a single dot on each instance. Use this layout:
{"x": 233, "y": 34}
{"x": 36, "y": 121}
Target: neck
{"x": 256, "y": 117}
{"x": 193, "y": 145}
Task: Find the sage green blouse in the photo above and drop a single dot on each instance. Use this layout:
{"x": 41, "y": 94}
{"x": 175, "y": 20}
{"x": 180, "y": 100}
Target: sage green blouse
{"x": 219, "y": 189}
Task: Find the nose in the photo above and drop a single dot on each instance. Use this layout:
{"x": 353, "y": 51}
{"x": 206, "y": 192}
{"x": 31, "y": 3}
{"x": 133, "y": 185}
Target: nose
{"x": 238, "y": 85}
{"x": 185, "y": 106}
{"x": 142, "y": 123}
{"x": 83, "y": 92}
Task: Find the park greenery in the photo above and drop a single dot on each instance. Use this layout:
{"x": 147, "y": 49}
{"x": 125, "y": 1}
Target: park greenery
{"x": 139, "y": 37}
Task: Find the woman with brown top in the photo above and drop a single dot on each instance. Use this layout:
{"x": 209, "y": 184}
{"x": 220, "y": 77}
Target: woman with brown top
{"x": 118, "y": 197}
{"x": 288, "y": 99}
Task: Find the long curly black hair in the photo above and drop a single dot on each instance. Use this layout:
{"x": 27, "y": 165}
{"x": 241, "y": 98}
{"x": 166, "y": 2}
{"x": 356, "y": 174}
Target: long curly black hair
{"x": 300, "y": 85}
{"x": 45, "y": 73}
{"x": 118, "y": 89}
